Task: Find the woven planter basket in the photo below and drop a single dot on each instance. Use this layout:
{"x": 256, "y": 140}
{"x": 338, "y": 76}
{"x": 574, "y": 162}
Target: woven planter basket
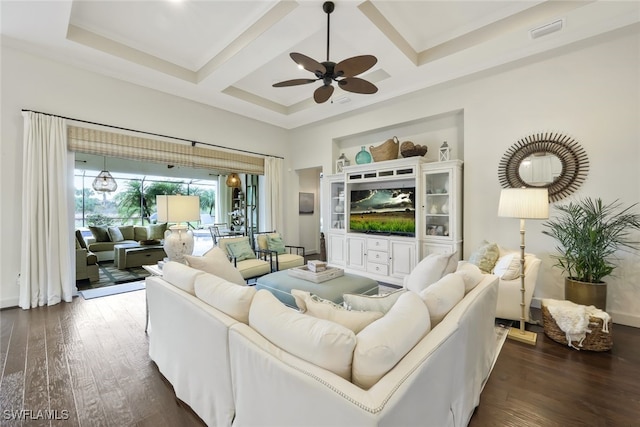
{"x": 595, "y": 341}
{"x": 388, "y": 150}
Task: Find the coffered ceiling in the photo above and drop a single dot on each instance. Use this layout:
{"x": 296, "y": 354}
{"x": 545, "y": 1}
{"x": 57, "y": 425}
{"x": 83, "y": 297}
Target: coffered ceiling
{"x": 228, "y": 54}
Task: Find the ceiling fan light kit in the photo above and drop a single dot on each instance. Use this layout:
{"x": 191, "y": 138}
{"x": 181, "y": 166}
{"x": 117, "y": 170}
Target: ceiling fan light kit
{"x": 343, "y": 73}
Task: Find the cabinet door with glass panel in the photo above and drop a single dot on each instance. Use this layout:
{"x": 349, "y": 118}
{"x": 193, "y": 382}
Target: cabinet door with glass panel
{"x": 337, "y": 214}
{"x": 442, "y": 187}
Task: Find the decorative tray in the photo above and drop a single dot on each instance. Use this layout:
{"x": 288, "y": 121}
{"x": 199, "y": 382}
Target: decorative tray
{"x": 319, "y": 277}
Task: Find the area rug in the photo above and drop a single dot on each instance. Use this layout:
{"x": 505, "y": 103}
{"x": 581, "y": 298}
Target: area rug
{"x": 109, "y": 276}
{"x": 112, "y": 290}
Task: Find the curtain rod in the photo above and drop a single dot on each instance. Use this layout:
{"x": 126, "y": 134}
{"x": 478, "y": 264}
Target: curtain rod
{"x": 193, "y": 143}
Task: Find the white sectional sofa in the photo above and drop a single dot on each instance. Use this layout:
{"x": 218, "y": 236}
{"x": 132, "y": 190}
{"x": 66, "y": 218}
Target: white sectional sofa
{"x": 231, "y": 374}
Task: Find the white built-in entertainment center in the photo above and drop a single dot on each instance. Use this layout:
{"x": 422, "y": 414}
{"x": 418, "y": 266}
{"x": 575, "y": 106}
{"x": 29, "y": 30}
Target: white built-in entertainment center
{"x": 391, "y": 254}
{"x": 429, "y": 194}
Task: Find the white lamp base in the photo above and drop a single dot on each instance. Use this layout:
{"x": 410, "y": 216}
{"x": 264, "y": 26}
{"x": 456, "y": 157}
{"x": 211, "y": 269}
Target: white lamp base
{"x": 178, "y": 242}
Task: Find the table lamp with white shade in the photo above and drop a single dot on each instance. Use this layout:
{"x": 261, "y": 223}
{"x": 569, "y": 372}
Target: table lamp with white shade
{"x": 178, "y": 240}
{"x": 523, "y": 203}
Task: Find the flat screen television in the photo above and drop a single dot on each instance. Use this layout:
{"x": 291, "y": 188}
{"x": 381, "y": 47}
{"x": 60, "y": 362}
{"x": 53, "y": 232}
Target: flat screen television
{"x": 383, "y": 211}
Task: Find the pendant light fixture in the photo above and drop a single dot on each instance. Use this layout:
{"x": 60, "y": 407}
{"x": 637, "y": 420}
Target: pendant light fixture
{"x": 104, "y": 182}
{"x": 233, "y": 180}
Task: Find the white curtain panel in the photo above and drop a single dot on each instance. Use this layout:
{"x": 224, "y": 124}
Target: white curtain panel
{"x": 273, "y": 190}
{"x": 46, "y": 274}
{"x": 223, "y": 201}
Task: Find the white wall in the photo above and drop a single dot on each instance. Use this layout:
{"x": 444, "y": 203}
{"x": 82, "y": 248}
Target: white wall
{"x": 309, "y": 224}
{"x": 34, "y": 83}
{"x": 590, "y": 91}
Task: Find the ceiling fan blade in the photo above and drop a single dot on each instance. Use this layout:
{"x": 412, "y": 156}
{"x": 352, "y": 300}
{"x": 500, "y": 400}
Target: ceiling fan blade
{"x": 322, "y": 94}
{"x": 294, "y": 82}
{"x": 353, "y": 66}
{"x": 308, "y": 64}
{"x": 357, "y": 85}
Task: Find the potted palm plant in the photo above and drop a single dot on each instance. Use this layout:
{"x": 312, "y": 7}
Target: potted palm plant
{"x": 589, "y": 233}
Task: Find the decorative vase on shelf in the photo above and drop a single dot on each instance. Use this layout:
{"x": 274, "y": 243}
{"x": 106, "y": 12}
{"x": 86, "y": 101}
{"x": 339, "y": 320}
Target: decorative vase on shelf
{"x": 434, "y": 209}
{"x": 363, "y": 156}
{"x": 445, "y": 208}
{"x": 339, "y": 208}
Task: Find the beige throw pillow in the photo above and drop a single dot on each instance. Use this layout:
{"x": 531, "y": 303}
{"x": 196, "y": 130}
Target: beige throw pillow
{"x": 383, "y": 343}
{"x": 328, "y": 310}
{"x": 216, "y": 262}
{"x": 485, "y": 256}
{"x": 115, "y": 234}
{"x": 229, "y": 298}
{"x": 318, "y": 341}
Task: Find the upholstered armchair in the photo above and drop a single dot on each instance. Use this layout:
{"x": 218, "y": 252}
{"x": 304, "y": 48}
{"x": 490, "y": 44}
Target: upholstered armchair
{"x": 285, "y": 256}
{"x": 86, "y": 261}
{"x": 509, "y": 294}
{"x": 250, "y": 263}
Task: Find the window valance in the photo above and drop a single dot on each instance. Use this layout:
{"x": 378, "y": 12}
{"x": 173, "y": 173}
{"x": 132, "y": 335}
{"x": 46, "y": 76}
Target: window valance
{"x": 103, "y": 143}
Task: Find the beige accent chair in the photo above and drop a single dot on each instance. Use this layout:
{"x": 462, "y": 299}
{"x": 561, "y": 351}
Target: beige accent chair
{"x": 293, "y": 257}
{"x": 509, "y": 294}
{"x": 86, "y": 261}
{"x": 258, "y": 265}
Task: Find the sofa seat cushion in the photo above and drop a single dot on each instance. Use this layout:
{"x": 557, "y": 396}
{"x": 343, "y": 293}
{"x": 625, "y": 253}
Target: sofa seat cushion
{"x": 253, "y": 268}
{"x": 230, "y": 298}
{"x": 287, "y": 261}
{"x": 315, "y": 306}
{"x": 181, "y": 276}
{"x": 442, "y": 296}
{"x": 318, "y": 341}
{"x": 215, "y": 261}
{"x": 383, "y": 343}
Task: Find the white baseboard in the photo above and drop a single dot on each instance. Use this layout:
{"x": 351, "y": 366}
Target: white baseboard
{"x": 619, "y": 318}
{"x": 9, "y": 302}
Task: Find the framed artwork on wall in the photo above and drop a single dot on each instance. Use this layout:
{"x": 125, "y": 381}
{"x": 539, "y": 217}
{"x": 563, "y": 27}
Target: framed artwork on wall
{"x": 306, "y": 201}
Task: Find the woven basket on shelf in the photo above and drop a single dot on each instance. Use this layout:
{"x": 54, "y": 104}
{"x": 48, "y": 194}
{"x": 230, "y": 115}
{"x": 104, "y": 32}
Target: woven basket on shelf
{"x": 388, "y": 150}
{"x": 595, "y": 341}
{"x": 409, "y": 149}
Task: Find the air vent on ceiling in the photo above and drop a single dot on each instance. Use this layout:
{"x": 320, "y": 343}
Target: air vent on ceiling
{"x": 549, "y": 28}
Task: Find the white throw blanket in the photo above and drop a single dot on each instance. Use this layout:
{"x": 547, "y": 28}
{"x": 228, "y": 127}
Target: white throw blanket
{"x": 573, "y": 319}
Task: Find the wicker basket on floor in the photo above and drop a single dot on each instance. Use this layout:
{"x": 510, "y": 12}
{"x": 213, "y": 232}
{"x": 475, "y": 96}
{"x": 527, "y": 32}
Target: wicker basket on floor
{"x": 595, "y": 341}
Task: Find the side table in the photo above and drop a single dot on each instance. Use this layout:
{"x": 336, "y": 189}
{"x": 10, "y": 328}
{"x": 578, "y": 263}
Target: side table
{"x": 154, "y": 270}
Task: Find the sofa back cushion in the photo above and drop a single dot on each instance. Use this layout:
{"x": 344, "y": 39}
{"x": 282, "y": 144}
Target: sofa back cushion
{"x": 156, "y": 231}
{"x": 318, "y": 341}
{"x": 430, "y": 270}
{"x": 315, "y": 306}
{"x": 471, "y": 275}
{"x": 140, "y": 233}
{"x": 215, "y": 261}
{"x": 231, "y": 299}
{"x": 127, "y": 232}
{"x": 442, "y": 296}
{"x": 383, "y": 343}
{"x": 181, "y": 276}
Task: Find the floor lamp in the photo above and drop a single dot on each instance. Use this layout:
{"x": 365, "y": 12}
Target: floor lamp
{"x": 178, "y": 209}
{"x": 523, "y": 203}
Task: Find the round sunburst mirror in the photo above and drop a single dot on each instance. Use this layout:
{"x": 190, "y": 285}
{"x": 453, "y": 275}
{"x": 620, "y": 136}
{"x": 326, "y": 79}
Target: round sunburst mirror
{"x": 545, "y": 160}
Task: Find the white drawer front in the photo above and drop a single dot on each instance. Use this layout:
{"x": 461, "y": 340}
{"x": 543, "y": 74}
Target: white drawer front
{"x": 378, "y": 257}
{"x": 377, "y": 244}
{"x": 381, "y": 269}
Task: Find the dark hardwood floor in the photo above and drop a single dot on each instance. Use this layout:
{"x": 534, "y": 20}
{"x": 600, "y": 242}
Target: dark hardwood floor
{"x": 88, "y": 362}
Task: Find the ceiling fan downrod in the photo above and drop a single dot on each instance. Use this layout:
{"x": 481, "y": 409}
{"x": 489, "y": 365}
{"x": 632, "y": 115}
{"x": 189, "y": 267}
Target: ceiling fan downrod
{"x": 328, "y": 7}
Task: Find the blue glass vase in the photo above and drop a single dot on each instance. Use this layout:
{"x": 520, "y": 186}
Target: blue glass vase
{"x": 363, "y": 156}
